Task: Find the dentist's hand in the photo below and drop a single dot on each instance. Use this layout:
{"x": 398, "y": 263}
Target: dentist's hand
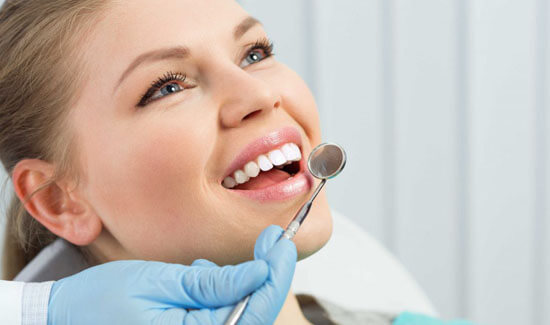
{"x": 139, "y": 292}
{"x": 266, "y": 302}
{"x": 280, "y": 255}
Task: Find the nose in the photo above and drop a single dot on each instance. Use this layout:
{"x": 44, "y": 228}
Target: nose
{"x": 244, "y": 96}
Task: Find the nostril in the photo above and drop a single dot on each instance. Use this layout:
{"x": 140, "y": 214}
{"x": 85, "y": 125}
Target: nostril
{"x": 249, "y": 115}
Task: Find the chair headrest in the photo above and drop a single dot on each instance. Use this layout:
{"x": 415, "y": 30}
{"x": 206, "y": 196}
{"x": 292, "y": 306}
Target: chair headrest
{"x": 56, "y": 261}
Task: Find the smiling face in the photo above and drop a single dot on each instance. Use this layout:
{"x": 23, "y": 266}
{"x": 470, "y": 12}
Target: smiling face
{"x": 156, "y": 168}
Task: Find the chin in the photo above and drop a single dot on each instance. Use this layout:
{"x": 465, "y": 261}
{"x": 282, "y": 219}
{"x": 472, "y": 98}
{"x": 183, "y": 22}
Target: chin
{"x": 315, "y": 232}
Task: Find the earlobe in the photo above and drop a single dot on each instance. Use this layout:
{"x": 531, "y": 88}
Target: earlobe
{"x": 55, "y": 206}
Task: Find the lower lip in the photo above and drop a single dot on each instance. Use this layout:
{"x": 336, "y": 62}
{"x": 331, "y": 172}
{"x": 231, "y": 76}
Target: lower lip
{"x": 299, "y": 183}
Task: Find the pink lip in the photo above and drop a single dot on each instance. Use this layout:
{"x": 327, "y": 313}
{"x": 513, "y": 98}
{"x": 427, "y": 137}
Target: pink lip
{"x": 263, "y": 145}
{"x": 300, "y": 183}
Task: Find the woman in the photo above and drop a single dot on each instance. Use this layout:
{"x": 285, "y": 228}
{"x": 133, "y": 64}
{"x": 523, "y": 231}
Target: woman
{"x": 135, "y": 170}
{"x": 155, "y": 130}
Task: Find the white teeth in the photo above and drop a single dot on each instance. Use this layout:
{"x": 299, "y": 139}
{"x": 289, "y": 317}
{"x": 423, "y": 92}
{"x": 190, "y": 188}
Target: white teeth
{"x": 229, "y": 182}
{"x": 291, "y": 154}
{"x": 276, "y": 157}
{"x": 297, "y": 152}
{"x": 251, "y": 169}
{"x": 264, "y": 163}
{"x": 241, "y": 177}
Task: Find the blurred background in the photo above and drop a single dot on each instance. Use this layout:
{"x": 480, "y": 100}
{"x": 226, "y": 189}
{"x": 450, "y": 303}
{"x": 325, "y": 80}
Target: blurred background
{"x": 442, "y": 106}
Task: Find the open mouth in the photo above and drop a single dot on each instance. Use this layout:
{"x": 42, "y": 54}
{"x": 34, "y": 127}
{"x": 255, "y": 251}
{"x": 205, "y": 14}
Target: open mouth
{"x": 267, "y": 169}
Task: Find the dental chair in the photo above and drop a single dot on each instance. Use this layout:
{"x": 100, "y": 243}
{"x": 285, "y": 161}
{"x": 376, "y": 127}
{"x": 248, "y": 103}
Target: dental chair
{"x": 353, "y": 270}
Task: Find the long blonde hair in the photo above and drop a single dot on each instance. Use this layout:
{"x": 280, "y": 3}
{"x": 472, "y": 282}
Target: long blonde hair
{"x": 40, "y": 75}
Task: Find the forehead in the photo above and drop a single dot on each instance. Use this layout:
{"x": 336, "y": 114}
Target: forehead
{"x": 131, "y": 24}
{"x": 131, "y": 27}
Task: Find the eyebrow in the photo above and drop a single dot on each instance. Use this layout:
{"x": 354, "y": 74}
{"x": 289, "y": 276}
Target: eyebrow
{"x": 244, "y": 26}
{"x": 181, "y": 52}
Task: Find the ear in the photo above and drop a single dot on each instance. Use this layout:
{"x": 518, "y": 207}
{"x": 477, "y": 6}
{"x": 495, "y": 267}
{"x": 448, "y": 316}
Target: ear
{"x": 57, "y": 206}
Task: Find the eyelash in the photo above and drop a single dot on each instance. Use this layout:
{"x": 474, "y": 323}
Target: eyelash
{"x": 263, "y": 44}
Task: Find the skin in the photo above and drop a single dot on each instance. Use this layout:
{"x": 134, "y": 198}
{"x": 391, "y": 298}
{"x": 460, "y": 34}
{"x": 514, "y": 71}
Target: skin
{"x": 150, "y": 186}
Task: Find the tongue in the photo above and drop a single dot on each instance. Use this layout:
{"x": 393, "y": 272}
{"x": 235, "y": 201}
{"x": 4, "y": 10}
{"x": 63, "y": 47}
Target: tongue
{"x": 265, "y": 179}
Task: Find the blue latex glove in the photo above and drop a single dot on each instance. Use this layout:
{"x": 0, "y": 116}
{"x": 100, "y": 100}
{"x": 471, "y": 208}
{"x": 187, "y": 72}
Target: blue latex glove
{"x": 139, "y": 292}
{"x": 408, "y": 318}
{"x": 281, "y": 257}
{"x": 264, "y": 305}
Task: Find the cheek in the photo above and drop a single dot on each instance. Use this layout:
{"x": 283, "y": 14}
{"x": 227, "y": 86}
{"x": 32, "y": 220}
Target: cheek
{"x": 149, "y": 185}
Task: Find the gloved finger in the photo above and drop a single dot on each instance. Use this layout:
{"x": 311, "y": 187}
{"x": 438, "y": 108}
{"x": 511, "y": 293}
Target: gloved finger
{"x": 208, "y": 316}
{"x": 266, "y": 302}
{"x": 172, "y": 316}
{"x": 199, "y": 287}
{"x": 266, "y": 240}
{"x": 282, "y": 261}
{"x": 204, "y": 263}
{"x": 212, "y": 287}
{"x": 205, "y": 316}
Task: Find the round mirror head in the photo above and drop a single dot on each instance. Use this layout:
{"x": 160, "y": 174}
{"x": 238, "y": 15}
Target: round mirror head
{"x": 326, "y": 160}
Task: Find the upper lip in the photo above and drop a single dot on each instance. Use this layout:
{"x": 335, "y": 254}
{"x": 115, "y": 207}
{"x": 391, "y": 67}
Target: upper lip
{"x": 263, "y": 145}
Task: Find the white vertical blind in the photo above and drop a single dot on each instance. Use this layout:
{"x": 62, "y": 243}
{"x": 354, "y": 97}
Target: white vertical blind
{"x": 542, "y": 312}
{"x": 425, "y": 112}
{"x": 349, "y": 92}
{"x": 502, "y": 181}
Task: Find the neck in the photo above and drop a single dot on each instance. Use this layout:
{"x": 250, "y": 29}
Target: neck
{"x": 291, "y": 312}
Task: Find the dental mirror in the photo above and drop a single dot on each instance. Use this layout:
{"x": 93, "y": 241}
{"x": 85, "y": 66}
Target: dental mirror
{"x": 325, "y": 161}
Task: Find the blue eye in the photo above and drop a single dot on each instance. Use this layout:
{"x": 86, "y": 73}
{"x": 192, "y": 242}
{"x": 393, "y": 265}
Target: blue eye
{"x": 259, "y": 51}
{"x": 253, "y": 57}
{"x": 163, "y": 87}
{"x": 166, "y": 90}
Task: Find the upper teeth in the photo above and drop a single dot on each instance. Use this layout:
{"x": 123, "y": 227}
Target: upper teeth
{"x": 288, "y": 153}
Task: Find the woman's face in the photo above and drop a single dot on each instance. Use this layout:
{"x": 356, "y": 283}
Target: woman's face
{"x": 154, "y": 167}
